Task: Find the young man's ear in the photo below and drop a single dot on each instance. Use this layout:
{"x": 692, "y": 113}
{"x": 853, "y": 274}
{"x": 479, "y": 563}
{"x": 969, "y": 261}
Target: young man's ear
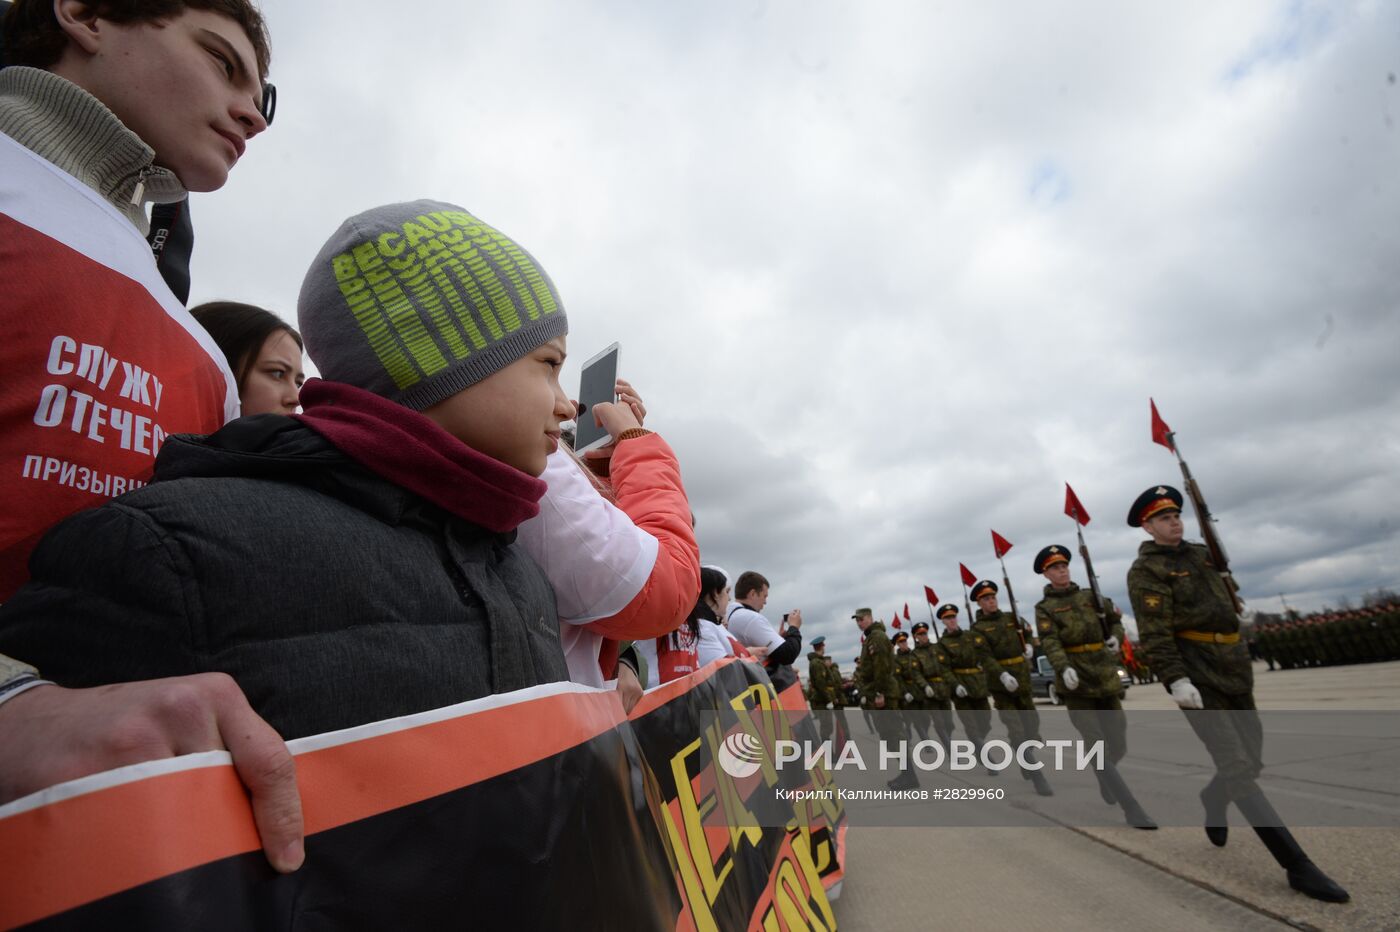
{"x": 79, "y": 21}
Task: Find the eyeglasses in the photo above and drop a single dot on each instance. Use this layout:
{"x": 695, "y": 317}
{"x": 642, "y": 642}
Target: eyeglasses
{"x": 269, "y": 103}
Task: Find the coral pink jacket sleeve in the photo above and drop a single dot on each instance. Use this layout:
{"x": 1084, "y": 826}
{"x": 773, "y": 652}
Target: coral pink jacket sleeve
{"x": 646, "y": 482}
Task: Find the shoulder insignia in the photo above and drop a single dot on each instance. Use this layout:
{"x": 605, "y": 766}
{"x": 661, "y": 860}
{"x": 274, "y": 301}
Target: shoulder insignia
{"x": 1065, "y": 608}
{"x": 1043, "y": 627}
{"x": 1179, "y": 573}
{"x": 1152, "y": 601}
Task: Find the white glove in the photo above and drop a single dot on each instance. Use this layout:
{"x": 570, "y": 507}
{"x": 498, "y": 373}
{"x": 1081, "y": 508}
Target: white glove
{"x": 928, "y": 691}
{"x": 908, "y": 697}
{"x": 1030, "y": 651}
{"x": 1111, "y": 643}
{"x": 830, "y": 706}
{"x": 1009, "y": 682}
{"x": 961, "y": 691}
{"x": 1071, "y": 678}
{"x": 1186, "y": 695}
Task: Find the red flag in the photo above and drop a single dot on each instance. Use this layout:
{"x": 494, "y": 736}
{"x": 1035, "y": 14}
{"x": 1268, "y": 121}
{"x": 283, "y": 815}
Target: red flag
{"x": 1073, "y": 508}
{"x": 967, "y": 577}
{"x": 1127, "y": 647}
{"x": 1000, "y": 544}
{"x": 930, "y": 596}
{"x": 895, "y": 623}
{"x": 906, "y": 611}
{"x": 1161, "y": 433}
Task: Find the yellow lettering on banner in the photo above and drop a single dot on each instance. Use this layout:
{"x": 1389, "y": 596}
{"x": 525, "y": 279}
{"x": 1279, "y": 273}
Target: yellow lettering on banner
{"x": 693, "y": 813}
{"x": 700, "y": 914}
{"x": 801, "y": 849}
{"x": 791, "y": 900}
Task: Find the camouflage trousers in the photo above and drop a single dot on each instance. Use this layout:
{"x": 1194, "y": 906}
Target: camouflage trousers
{"x": 1230, "y": 729}
{"x": 1100, "y": 720}
{"x": 976, "y": 718}
{"x": 935, "y": 712}
{"x": 1018, "y": 715}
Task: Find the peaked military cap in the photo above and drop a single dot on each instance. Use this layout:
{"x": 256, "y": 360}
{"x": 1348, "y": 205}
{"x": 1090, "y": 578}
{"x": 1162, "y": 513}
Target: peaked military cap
{"x": 819, "y": 640}
{"x": 920, "y": 626}
{"x": 982, "y": 588}
{"x": 946, "y": 609}
{"x": 1153, "y": 502}
{"x": 900, "y": 636}
{"x": 1049, "y": 556}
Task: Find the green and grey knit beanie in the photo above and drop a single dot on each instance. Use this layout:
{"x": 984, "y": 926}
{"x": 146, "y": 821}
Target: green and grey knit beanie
{"x": 417, "y": 301}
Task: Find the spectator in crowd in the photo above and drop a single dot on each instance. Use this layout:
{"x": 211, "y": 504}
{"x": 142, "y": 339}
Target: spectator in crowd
{"x": 263, "y": 351}
{"x": 406, "y": 476}
{"x": 715, "y": 641}
{"x": 137, "y": 105}
{"x": 749, "y": 626}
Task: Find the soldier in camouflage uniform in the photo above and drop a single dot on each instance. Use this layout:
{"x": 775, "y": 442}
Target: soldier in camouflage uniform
{"x": 1086, "y": 670}
{"x": 911, "y": 680}
{"x": 880, "y": 688}
{"x": 1191, "y": 631}
{"x": 825, "y": 690}
{"x": 936, "y": 697}
{"x": 1009, "y": 675}
{"x": 963, "y": 654}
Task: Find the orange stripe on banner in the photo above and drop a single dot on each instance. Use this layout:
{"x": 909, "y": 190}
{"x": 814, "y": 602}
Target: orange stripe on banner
{"x": 656, "y": 698}
{"x": 81, "y": 849}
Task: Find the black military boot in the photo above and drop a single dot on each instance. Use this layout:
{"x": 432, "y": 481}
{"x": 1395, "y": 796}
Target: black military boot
{"x": 907, "y": 780}
{"x": 1133, "y": 813}
{"x": 1303, "y": 875}
{"x": 1104, "y": 792}
{"x": 1037, "y": 777}
{"x": 1042, "y": 785}
{"x": 1217, "y": 824}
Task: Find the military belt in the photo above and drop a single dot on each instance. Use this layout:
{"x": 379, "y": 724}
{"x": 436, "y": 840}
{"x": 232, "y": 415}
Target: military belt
{"x": 1011, "y": 661}
{"x": 1084, "y": 648}
{"x": 1209, "y": 637}
{"x": 967, "y": 671}
{"x": 936, "y": 679}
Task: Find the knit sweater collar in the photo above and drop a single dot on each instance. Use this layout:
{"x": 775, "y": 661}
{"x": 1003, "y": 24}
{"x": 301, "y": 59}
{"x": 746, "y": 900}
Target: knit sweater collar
{"x": 64, "y": 124}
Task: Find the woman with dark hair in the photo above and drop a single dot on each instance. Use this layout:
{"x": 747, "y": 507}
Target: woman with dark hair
{"x": 263, "y": 351}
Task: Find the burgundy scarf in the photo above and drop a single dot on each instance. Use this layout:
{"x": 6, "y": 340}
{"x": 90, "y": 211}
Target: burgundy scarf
{"x": 413, "y": 452}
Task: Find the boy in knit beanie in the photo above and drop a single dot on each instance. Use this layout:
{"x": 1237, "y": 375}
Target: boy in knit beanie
{"x": 355, "y": 562}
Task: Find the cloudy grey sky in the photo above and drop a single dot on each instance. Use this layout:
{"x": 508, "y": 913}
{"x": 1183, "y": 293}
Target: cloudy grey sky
{"x": 889, "y": 275}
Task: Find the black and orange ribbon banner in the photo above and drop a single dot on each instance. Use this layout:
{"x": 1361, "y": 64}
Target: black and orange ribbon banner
{"x": 543, "y": 808}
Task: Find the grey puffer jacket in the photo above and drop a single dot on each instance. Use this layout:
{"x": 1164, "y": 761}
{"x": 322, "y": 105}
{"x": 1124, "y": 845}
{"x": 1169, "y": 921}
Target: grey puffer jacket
{"x": 332, "y": 596}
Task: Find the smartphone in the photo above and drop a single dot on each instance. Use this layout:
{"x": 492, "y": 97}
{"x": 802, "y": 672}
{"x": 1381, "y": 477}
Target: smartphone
{"x": 597, "y": 384}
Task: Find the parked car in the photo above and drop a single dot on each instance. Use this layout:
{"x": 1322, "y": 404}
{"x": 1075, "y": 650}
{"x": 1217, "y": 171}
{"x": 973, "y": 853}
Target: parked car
{"x": 1043, "y": 680}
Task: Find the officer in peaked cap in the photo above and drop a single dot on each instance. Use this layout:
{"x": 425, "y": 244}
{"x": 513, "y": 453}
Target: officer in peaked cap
{"x": 936, "y": 702}
{"x": 963, "y": 655}
{"x": 1086, "y": 672}
{"x": 1155, "y": 501}
{"x": 1008, "y": 676}
{"x": 1191, "y": 635}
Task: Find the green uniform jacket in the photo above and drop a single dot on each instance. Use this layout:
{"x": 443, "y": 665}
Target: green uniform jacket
{"x": 933, "y": 671}
{"x": 964, "y": 654}
{"x": 838, "y": 687}
{"x": 1177, "y": 589}
{"x": 1004, "y": 642}
{"x": 877, "y": 677}
{"x": 819, "y": 681}
{"x": 1066, "y": 618}
{"x": 911, "y": 677}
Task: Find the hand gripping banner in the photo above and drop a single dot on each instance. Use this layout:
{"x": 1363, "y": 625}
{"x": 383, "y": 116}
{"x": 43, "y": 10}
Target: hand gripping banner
{"x": 543, "y": 808}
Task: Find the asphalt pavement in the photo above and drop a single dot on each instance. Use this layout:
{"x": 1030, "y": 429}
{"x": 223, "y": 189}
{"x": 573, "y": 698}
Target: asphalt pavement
{"x": 1067, "y": 872}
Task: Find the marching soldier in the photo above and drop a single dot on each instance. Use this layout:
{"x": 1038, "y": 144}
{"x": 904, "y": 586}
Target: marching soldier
{"x": 825, "y": 688}
{"x": 916, "y": 687}
{"x": 1086, "y": 668}
{"x": 937, "y": 693}
{"x": 962, "y": 654}
{"x": 1009, "y": 675}
{"x": 1191, "y": 631}
{"x": 880, "y": 688}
